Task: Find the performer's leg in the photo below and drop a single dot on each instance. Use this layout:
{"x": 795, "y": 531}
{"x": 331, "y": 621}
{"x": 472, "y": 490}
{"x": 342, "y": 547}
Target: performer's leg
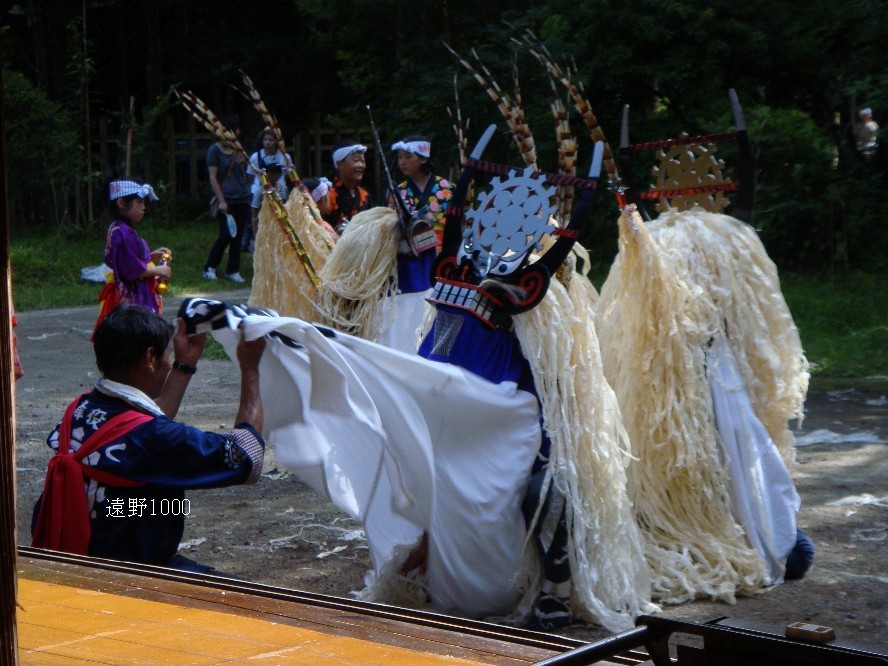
{"x": 552, "y": 609}
{"x": 801, "y": 557}
{"x": 418, "y": 557}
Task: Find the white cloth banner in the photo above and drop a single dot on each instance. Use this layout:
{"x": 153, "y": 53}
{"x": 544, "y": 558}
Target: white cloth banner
{"x": 405, "y": 446}
{"x": 762, "y": 491}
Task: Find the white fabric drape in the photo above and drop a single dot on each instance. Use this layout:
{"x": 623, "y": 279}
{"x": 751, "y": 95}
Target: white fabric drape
{"x": 405, "y": 446}
{"x": 762, "y": 492}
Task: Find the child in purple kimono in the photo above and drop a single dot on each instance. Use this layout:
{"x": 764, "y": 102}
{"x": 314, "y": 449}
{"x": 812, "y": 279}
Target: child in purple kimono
{"x": 136, "y": 269}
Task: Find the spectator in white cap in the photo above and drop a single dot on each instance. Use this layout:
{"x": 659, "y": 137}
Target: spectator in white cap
{"x": 424, "y": 193}
{"x": 347, "y": 197}
{"x": 319, "y": 190}
{"x": 866, "y": 133}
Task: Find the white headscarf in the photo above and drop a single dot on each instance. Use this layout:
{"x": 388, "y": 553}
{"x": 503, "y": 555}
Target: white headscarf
{"x": 322, "y": 188}
{"x": 345, "y": 151}
{"x": 124, "y": 188}
{"x": 421, "y": 148}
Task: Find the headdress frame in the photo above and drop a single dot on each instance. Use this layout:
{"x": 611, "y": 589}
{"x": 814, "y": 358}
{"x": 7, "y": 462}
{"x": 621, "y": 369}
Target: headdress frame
{"x": 532, "y": 279}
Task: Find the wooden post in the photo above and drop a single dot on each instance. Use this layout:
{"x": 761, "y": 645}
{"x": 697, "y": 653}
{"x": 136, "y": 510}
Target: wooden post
{"x": 192, "y": 156}
{"x": 129, "y": 136}
{"x": 8, "y": 581}
{"x": 316, "y": 146}
{"x": 171, "y": 154}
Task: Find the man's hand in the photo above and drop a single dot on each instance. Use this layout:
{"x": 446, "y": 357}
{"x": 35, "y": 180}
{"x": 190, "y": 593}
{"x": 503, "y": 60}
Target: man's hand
{"x": 188, "y": 349}
{"x": 249, "y": 353}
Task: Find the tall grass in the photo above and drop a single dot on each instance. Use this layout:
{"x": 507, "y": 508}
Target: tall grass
{"x": 843, "y": 323}
{"x": 843, "y": 320}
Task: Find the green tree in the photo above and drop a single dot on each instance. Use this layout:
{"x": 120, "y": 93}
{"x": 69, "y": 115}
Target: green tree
{"x": 43, "y": 153}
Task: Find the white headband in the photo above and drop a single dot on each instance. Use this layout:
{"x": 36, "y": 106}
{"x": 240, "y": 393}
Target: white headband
{"x": 342, "y": 153}
{"x": 865, "y": 112}
{"x": 421, "y": 148}
{"x": 323, "y": 187}
{"x": 124, "y": 188}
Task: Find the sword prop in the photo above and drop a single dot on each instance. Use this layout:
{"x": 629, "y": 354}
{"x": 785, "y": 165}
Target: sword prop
{"x": 406, "y": 217}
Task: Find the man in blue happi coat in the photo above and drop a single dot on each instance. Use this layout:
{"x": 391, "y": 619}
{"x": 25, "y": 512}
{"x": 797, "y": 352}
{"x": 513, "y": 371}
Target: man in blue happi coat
{"x": 115, "y": 486}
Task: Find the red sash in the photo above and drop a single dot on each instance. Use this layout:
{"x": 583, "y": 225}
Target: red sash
{"x": 109, "y": 298}
{"x": 63, "y": 522}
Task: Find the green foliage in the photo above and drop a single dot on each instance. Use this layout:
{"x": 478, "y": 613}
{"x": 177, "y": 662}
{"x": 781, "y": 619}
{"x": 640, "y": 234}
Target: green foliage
{"x": 794, "y": 176}
{"x": 42, "y": 151}
{"x": 671, "y": 61}
{"x": 842, "y": 322}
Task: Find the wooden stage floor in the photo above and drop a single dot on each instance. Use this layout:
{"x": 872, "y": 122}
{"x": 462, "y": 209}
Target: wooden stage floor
{"x": 76, "y": 610}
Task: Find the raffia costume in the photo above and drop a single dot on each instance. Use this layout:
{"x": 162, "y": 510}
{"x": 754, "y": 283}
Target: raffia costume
{"x": 280, "y": 279}
{"x": 379, "y": 275}
{"x": 708, "y": 367}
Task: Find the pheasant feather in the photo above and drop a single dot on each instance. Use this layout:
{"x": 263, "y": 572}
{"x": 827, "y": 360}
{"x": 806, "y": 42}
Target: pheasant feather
{"x": 541, "y": 53}
{"x": 458, "y": 128}
{"x": 204, "y": 115}
{"x": 513, "y": 116}
{"x": 267, "y": 116}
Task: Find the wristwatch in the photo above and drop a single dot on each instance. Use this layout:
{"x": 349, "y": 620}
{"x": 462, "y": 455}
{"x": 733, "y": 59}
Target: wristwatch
{"x": 182, "y": 367}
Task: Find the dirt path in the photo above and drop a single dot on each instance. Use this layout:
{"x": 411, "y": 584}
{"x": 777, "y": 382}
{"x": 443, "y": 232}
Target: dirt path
{"x": 279, "y": 532}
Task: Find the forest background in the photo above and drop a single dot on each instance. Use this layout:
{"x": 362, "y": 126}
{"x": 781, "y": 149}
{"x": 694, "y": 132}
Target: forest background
{"x": 801, "y": 72}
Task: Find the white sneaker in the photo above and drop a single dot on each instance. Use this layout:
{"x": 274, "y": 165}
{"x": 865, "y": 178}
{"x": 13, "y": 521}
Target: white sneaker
{"x": 210, "y": 273}
{"x": 235, "y": 277}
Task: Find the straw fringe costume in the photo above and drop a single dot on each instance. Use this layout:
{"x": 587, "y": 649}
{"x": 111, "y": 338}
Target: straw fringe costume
{"x": 358, "y": 275}
{"x": 690, "y": 299}
{"x": 291, "y": 239}
{"x": 589, "y": 456}
{"x": 359, "y": 280}
{"x": 725, "y": 258}
{"x": 280, "y": 280}
{"x": 379, "y": 275}
{"x": 542, "y": 337}
{"x": 373, "y": 429}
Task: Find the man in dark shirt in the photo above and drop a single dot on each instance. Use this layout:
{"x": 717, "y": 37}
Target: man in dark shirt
{"x": 115, "y": 486}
